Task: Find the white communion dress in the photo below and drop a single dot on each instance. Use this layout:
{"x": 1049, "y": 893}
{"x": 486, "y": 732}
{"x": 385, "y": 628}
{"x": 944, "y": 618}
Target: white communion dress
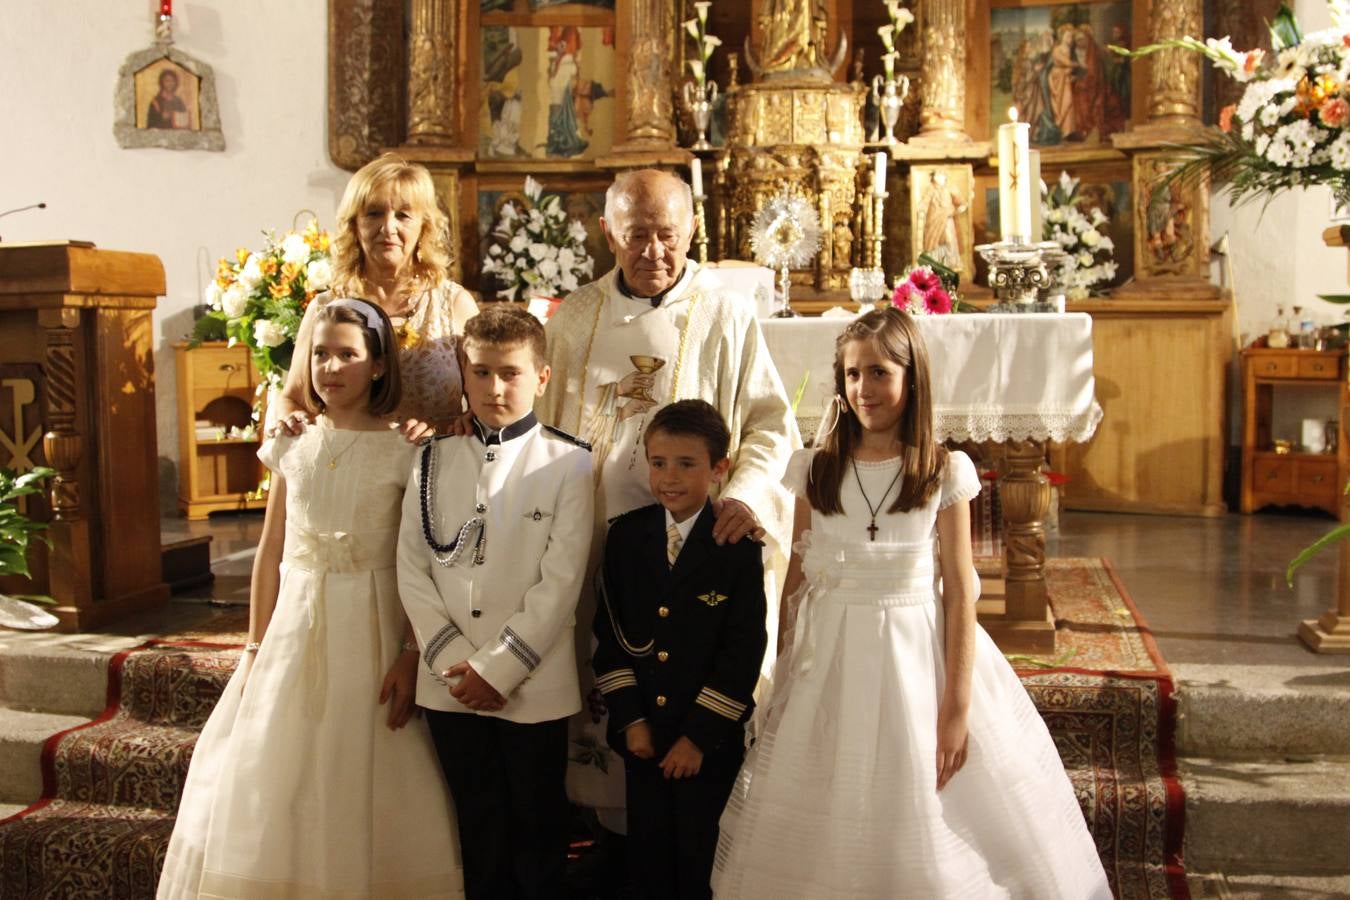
{"x": 297, "y": 786}
{"x": 838, "y": 796}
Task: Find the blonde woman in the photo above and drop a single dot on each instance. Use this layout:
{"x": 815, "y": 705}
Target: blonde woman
{"x": 392, "y": 248}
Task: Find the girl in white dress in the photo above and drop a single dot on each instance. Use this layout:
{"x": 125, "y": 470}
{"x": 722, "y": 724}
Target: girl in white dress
{"x": 308, "y": 779}
{"x": 899, "y": 754}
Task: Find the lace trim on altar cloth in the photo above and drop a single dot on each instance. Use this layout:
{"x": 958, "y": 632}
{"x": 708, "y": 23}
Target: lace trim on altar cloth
{"x": 1001, "y": 426}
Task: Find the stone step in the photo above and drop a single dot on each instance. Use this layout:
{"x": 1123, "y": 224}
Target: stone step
{"x": 22, "y": 735}
{"x": 1267, "y": 817}
{"x": 1268, "y": 887}
{"x": 1262, "y": 712}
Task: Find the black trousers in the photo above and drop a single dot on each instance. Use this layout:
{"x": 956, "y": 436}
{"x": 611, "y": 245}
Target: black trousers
{"x": 672, "y": 825}
{"x": 507, "y": 780}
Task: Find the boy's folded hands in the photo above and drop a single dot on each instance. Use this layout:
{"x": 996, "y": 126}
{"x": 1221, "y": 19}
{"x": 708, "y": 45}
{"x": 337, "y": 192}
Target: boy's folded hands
{"x": 683, "y": 761}
{"x": 473, "y": 690}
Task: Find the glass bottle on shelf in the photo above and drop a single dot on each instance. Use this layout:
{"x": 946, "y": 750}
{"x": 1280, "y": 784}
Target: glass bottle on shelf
{"x": 1278, "y": 336}
{"x": 1307, "y": 331}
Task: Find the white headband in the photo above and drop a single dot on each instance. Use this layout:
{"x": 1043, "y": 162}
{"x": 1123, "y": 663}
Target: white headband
{"x": 368, "y": 311}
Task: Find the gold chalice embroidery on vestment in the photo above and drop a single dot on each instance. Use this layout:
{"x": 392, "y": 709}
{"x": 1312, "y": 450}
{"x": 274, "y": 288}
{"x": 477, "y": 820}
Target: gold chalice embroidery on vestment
{"x": 647, "y": 365}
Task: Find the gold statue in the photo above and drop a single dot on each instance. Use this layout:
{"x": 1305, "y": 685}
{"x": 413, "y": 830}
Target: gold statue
{"x": 793, "y": 41}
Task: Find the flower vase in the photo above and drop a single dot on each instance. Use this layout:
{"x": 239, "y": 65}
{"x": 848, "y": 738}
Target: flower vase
{"x": 890, "y": 97}
{"x": 699, "y": 97}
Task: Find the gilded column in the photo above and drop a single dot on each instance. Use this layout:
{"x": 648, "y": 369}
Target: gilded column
{"x": 1174, "y": 75}
{"x": 650, "y": 111}
{"x": 431, "y": 73}
{"x": 942, "y": 94}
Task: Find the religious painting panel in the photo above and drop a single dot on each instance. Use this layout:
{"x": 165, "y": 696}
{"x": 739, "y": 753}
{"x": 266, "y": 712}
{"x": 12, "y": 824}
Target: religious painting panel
{"x": 167, "y": 97}
{"x": 1171, "y": 218}
{"x": 584, "y": 204}
{"x": 547, "y": 92}
{"x": 1051, "y": 63}
{"x": 1105, "y": 185}
{"x": 940, "y": 216}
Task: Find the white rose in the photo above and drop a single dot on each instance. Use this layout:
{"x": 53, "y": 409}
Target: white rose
{"x": 568, "y": 282}
{"x": 1085, "y": 259}
{"x": 566, "y": 257}
{"x": 1091, "y": 238}
{"x": 213, "y": 293}
{"x": 539, "y": 250}
{"x": 518, "y": 243}
{"x": 549, "y": 269}
{"x": 250, "y": 274}
{"x": 233, "y": 301}
{"x": 268, "y": 333}
{"x": 294, "y": 249}
{"x": 319, "y": 275}
{"x": 576, "y": 231}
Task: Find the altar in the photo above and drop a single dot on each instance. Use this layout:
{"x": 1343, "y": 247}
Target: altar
{"x": 1015, "y": 380}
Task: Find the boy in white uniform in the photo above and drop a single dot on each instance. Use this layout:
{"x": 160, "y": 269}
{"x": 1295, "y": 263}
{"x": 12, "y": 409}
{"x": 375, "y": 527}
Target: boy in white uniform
{"x": 495, "y": 536}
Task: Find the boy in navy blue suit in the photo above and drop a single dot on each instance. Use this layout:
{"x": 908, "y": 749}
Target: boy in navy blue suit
{"x": 681, "y": 636}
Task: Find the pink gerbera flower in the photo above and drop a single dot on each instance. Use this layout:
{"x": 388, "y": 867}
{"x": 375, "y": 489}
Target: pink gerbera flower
{"x": 938, "y": 301}
{"x": 904, "y": 293}
{"x": 925, "y": 279}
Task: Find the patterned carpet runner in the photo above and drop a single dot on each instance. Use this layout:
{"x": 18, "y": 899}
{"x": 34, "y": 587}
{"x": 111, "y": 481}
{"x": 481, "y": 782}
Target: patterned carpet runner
{"x": 110, "y": 787}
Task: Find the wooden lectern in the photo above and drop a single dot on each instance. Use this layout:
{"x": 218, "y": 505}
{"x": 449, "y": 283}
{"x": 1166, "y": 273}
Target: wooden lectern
{"x": 77, "y": 393}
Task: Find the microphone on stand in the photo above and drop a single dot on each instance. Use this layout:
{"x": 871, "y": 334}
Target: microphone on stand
{"x": 19, "y": 209}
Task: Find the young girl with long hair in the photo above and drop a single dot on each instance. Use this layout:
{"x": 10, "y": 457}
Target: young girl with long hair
{"x": 900, "y": 756}
{"x": 301, "y": 784}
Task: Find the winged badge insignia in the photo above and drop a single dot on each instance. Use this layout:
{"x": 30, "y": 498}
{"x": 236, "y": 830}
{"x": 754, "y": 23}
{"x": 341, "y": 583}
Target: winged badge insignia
{"x": 538, "y": 515}
{"x": 712, "y": 598}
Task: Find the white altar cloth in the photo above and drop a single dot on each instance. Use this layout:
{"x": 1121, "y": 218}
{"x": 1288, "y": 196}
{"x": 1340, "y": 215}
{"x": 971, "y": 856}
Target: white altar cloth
{"x": 996, "y": 377}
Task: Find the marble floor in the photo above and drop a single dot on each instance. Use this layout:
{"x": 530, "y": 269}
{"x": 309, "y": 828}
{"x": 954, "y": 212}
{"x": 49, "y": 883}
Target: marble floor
{"x": 1213, "y": 590}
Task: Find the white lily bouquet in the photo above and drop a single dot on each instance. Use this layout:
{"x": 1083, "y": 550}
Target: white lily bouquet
{"x": 889, "y": 34}
{"x": 1090, "y": 252}
{"x": 537, "y": 251}
{"x": 698, "y": 30}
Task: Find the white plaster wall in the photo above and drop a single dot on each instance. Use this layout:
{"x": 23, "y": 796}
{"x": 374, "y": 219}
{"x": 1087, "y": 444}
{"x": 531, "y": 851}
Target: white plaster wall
{"x": 58, "y": 70}
{"x": 1278, "y": 258}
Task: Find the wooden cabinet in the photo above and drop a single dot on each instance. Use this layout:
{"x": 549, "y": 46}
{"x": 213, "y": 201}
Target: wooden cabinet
{"x": 1294, "y": 478}
{"x": 1161, "y": 370}
{"x": 217, "y": 386}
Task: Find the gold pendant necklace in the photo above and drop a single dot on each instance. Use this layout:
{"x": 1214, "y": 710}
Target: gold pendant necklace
{"x": 333, "y": 457}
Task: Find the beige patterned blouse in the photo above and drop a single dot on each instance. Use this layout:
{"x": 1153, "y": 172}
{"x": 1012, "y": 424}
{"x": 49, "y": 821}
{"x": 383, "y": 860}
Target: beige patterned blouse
{"x": 428, "y": 338}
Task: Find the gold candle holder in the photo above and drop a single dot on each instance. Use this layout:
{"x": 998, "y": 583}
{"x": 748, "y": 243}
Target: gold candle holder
{"x": 700, "y": 227}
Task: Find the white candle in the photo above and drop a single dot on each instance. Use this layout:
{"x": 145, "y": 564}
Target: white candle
{"x": 696, "y": 176}
{"x": 879, "y": 174}
{"x": 1037, "y": 226}
{"x": 1014, "y": 179}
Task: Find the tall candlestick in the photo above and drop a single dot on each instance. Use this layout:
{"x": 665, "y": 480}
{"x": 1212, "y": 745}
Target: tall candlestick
{"x": 1037, "y": 226}
{"x": 1014, "y": 179}
{"x": 879, "y": 174}
{"x": 696, "y": 176}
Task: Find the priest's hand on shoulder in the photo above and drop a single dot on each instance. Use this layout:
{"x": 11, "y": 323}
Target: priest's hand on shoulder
{"x": 473, "y": 691}
{"x": 735, "y": 520}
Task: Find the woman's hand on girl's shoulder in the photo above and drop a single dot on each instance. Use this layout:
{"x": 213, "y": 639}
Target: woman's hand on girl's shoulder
{"x": 291, "y": 425}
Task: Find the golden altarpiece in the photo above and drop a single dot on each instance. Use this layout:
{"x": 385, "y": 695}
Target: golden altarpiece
{"x": 795, "y": 77}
